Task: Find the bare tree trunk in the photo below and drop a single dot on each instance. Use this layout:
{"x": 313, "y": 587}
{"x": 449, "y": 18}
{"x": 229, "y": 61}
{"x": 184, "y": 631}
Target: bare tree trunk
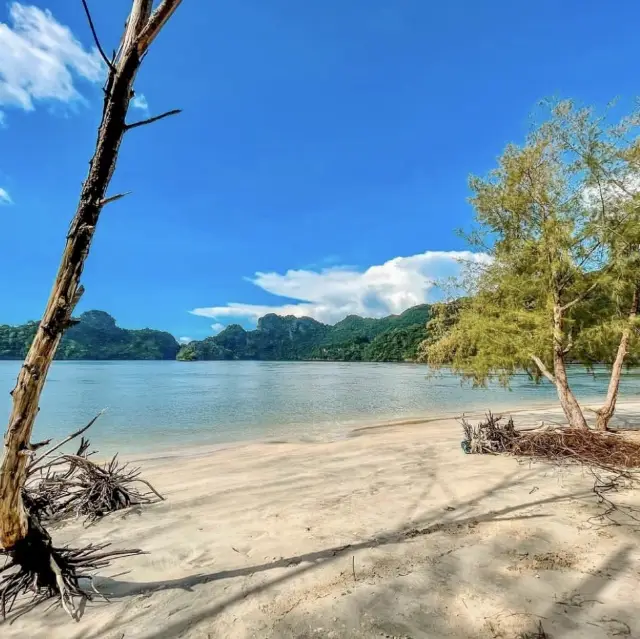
{"x": 605, "y": 413}
{"x": 142, "y": 27}
{"x": 568, "y": 401}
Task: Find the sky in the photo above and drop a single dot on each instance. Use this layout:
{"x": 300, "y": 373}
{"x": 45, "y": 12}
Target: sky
{"x": 319, "y": 166}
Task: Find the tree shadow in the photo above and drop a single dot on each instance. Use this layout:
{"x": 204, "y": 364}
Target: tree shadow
{"x": 459, "y": 520}
{"x": 579, "y": 607}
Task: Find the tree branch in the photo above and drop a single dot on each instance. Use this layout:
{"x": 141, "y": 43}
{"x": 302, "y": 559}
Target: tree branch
{"x": 36, "y": 462}
{"x": 580, "y": 297}
{"x": 113, "y": 198}
{"x": 543, "y": 369}
{"x": 156, "y": 21}
{"x": 136, "y": 23}
{"x": 95, "y": 36}
{"x": 154, "y": 119}
{"x": 569, "y": 345}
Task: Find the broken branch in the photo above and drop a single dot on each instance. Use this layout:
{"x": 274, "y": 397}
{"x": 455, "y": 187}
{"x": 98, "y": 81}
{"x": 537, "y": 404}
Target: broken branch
{"x": 113, "y": 198}
{"x": 156, "y": 21}
{"x": 37, "y": 462}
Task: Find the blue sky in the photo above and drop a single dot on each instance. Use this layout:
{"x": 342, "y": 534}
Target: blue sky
{"x": 320, "y": 164}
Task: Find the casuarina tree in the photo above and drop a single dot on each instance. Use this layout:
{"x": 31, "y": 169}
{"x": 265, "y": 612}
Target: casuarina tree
{"x": 560, "y": 221}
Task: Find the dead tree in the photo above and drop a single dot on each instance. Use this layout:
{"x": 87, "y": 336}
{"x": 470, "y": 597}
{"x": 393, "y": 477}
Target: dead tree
{"x": 21, "y": 535}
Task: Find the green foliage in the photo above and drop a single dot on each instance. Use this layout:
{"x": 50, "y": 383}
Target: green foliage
{"x": 396, "y": 344}
{"x": 15, "y": 340}
{"x": 394, "y": 338}
{"x": 187, "y": 353}
{"x": 95, "y": 337}
{"x": 560, "y": 219}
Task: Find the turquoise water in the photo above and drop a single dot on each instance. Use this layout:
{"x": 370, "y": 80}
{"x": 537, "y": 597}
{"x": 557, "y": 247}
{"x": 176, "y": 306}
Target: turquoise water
{"x": 163, "y": 405}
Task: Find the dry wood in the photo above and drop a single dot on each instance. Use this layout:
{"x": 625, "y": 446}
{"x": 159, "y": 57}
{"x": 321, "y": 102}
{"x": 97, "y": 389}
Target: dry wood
{"x": 81, "y": 488}
{"x": 37, "y": 463}
{"x": 592, "y": 448}
{"x": 37, "y": 563}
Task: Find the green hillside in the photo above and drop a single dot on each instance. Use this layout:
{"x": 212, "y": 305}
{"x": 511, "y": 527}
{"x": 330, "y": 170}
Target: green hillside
{"x": 97, "y": 337}
{"x": 390, "y": 339}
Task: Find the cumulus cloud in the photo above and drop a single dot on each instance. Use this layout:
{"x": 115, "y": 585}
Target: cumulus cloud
{"x": 330, "y": 294}
{"x": 40, "y": 59}
{"x": 217, "y": 327}
{"x": 5, "y": 198}
{"x": 140, "y": 102}
{"x": 184, "y": 340}
{"x": 3, "y": 120}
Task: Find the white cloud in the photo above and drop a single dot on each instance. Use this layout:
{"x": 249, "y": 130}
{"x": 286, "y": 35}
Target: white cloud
{"x": 217, "y": 327}
{"x": 612, "y": 193}
{"x": 184, "y": 340}
{"x": 40, "y": 59}
{"x": 331, "y": 294}
{"x": 140, "y": 102}
{"x": 3, "y": 120}
{"x": 5, "y": 198}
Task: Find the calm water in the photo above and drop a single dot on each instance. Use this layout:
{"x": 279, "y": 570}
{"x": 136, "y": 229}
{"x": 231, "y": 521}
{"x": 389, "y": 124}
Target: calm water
{"x": 167, "y": 404}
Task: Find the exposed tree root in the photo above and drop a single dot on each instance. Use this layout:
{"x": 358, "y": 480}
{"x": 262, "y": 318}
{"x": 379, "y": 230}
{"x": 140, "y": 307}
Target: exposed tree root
{"x": 612, "y": 459}
{"x": 489, "y": 436}
{"x": 592, "y": 448}
{"x": 58, "y": 487}
{"x": 35, "y": 567}
{"x": 75, "y": 486}
{"x": 82, "y": 488}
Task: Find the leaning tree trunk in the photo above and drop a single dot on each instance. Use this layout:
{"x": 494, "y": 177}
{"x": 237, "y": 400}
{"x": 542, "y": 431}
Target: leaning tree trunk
{"x": 605, "y": 413}
{"x": 142, "y": 27}
{"x": 568, "y": 400}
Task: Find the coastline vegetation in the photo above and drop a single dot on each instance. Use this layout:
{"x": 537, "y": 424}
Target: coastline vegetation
{"x": 559, "y": 219}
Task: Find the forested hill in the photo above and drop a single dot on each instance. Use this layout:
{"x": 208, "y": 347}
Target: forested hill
{"x": 390, "y": 339}
{"x": 96, "y": 336}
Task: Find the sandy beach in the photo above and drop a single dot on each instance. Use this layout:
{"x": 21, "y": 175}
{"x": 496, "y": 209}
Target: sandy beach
{"x": 392, "y": 532}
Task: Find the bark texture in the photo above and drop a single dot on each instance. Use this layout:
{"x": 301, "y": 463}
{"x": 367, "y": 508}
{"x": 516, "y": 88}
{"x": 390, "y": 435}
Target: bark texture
{"x": 568, "y": 400}
{"x": 142, "y": 27}
{"x": 605, "y": 413}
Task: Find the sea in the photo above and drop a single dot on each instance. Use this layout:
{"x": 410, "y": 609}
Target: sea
{"x": 155, "y": 406}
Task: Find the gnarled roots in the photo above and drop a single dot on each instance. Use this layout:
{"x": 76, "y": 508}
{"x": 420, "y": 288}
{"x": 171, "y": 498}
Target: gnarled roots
{"x": 59, "y": 487}
{"x": 35, "y": 567}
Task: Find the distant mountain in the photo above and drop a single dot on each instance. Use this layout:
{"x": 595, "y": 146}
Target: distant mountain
{"x": 390, "y": 339}
{"x": 96, "y": 336}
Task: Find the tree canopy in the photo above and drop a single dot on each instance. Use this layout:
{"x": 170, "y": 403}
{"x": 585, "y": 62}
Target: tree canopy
{"x": 559, "y": 218}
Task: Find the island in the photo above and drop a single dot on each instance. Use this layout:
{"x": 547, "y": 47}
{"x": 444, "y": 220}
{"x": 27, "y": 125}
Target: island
{"x": 96, "y": 336}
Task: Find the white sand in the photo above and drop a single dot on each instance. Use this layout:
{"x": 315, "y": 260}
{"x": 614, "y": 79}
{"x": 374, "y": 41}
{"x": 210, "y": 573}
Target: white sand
{"x": 391, "y": 533}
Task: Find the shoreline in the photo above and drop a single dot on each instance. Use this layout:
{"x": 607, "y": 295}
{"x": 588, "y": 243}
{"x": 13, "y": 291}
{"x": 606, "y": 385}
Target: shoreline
{"x": 395, "y": 532}
{"x": 528, "y": 409}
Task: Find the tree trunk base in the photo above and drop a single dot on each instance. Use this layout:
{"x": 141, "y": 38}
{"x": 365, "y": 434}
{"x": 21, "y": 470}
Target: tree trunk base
{"x": 36, "y": 568}
{"x": 602, "y": 421}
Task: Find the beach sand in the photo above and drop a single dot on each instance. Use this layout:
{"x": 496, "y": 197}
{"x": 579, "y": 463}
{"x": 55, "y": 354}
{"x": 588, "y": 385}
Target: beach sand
{"x": 392, "y": 532}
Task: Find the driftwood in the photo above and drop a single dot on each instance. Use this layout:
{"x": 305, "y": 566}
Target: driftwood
{"x": 72, "y": 485}
{"x": 86, "y": 489}
{"x": 488, "y": 436}
{"x": 35, "y": 562}
{"x": 593, "y": 448}
{"x": 68, "y": 485}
